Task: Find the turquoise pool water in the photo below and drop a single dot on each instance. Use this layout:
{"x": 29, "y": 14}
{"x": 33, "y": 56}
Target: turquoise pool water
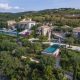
{"x": 51, "y": 49}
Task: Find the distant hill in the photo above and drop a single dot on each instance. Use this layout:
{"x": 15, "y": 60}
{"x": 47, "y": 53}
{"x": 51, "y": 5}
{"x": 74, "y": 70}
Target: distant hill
{"x": 59, "y": 16}
{"x": 60, "y": 11}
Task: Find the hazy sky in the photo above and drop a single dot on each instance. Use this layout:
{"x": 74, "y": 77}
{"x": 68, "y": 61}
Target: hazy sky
{"x": 28, "y": 5}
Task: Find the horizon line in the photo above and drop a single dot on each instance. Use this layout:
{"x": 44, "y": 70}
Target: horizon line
{"x": 39, "y": 10}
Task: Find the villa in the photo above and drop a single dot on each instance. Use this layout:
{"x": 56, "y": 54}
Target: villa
{"x": 72, "y": 16}
{"x": 11, "y": 24}
{"x": 76, "y": 32}
{"x": 44, "y": 30}
{"x": 26, "y": 24}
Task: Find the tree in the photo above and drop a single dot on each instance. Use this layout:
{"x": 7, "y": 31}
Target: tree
{"x": 20, "y": 51}
{"x": 37, "y": 47}
{"x": 25, "y": 42}
{"x": 70, "y": 41}
{"x": 43, "y": 38}
{"x": 7, "y": 45}
{"x": 36, "y": 75}
{"x": 48, "y": 73}
{"x": 75, "y": 62}
{"x": 9, "y": 64}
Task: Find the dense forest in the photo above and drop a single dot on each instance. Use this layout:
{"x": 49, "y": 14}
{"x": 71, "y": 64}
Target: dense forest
{"x": 62, "y": 16}
{"x": 16, "y": 61}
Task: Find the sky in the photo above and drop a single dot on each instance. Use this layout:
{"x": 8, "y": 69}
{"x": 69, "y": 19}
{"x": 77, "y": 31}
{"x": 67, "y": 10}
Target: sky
{"x": 35, "y": 5}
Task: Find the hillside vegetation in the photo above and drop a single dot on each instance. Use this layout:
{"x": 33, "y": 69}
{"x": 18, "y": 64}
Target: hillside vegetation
{"x": 55, "y": 16}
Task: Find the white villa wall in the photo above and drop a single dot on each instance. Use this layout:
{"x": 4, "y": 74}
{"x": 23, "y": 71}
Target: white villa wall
{"x": 44, "y": 31}
{"x": 31, "y": 24}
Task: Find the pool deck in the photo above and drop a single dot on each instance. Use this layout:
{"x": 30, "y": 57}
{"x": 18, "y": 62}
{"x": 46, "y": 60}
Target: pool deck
{"x": 52, "y": 50}
{"x": 72, "y": 47}
{"x": 55, "y": 53}
{"x": 76, "y": 48}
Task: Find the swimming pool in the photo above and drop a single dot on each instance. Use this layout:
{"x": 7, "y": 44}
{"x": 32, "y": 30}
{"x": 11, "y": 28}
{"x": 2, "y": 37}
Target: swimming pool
{"x": 51, "y": 49}
{"x": 8, "y": 32}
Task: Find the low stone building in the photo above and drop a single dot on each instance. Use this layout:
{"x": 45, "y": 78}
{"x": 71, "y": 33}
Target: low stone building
{"x": 11, "y": 23}
{"x": 76, "y": 32}
{"x": 45, "y": 31}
